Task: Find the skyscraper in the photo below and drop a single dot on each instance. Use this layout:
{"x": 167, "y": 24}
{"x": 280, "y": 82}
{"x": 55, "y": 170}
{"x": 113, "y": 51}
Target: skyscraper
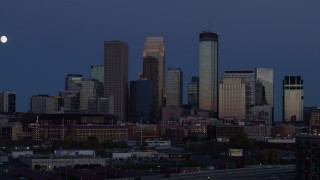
{"x": 208, "y": 79}
{"x": 154, "y": 68}
{"x": 264, "y": 76}
{"x": 232, "y": 98}
{"x": 141, "y": 101}
{"x": 116, "y": 76}
{"x": 292, "y": 99}
{"x": 88, "y": 93}
{"x": 174, "y": 87}
{"x": 193, "y": 92}
{"x": 73, "y": 82}
{"x": 249, "y": 77}
{"x": 8, "y": 102}
{"x": 97, "y": 72}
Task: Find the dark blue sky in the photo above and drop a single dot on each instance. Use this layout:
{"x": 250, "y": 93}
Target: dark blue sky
{"x": 49, "y": 39}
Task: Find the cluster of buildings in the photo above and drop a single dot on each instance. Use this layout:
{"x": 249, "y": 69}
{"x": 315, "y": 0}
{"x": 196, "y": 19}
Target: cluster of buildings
{"x": 239, "y": 98}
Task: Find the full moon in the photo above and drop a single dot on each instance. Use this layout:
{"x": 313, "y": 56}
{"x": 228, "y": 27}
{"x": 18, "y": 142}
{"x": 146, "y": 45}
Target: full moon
{"x": 3, "y": 39}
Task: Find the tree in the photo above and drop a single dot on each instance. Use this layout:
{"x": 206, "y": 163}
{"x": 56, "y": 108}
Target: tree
{"x": 92, "y": 141}
{"x": 241, "y": 141}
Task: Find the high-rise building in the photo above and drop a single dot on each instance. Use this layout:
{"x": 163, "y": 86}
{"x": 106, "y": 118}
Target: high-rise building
{"x": 73, "y": 82}
{"x": 249, "y": 77}
{"x": 292, "y": 99}
{"x": 154, "y": 68}
{"x": 97, "y": 72}
{"x": 70, "y": 100}
{"x": 141, "y": 101}
{"x": 97, "y": 75}
{"x": 232, "y": 98}
{"x": 193, "y": 92}
{"x": 88, "y": 93}
{"x": 8, "y": 102}
{"x": 264, "y": 77}
{"x": 42, "y": 104}
{"x": 208, "y": 79}
{"x": 116, "y": 76}
{"x": 174, "y": 87}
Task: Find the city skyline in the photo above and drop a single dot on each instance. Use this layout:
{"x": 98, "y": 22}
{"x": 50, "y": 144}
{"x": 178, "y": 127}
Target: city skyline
{"x": 268, "y": 39}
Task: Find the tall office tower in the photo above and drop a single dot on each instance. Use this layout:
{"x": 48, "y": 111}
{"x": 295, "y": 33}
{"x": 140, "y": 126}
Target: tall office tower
{"x": 292, "y": 99}
{"x": 154, "y": 68}
{"x": 174, "y": 87}
{"x": 116, "y": 76}
{"x": 193, "y": 92}
{"x": 208, "y": 79}
{"x": 232, "y": 98}
{"x": 264, "y": 76}
{"x": 88, "y": 93}
{"x": 249, "y": 77}
{"x": 8, "y": 102}
{"x": 141, "y": 101}
{"x": 73, "y": 82}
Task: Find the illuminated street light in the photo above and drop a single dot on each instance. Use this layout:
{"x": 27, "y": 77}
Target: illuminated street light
{"x": 3, "y": 39}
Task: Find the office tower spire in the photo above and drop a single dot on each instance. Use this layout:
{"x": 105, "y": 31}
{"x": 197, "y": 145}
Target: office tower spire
{"x": 208, "y": 78}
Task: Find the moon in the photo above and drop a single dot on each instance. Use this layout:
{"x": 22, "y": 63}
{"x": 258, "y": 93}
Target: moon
{"x": 3, "y": 39}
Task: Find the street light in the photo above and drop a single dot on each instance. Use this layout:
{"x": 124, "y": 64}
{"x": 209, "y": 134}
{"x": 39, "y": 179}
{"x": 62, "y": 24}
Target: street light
{"x": 3, "y": 39}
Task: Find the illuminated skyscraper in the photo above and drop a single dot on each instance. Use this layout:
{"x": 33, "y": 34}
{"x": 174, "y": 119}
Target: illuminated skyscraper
{"x": 174, "y": 87}
{"x": 116, "y": 76}
{"x": 208, "y": 79}
{"x": 292, "y": 99}
{"x": 154, "y": 68}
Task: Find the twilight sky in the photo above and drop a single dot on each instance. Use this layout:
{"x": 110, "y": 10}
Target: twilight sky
{"x": 49, "y": 39}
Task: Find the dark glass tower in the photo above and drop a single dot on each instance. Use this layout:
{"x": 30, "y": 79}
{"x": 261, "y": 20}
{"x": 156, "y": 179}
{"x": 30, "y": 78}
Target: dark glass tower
{"x": 116, "y": 76}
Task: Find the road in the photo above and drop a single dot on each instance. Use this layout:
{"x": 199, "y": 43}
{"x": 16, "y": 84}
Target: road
{"x": 283, "y": 172}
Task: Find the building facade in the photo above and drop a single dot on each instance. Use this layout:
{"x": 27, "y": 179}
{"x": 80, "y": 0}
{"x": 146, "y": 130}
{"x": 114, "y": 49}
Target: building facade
{"x": 7, "y": 102}
{"x": 88, "y": 96}
{"x": 116, "y": 76}
{"x": 249, "y": 77}
{"x": 97, "y": 72}
{"x": 264, "y": 76}
{"x": 154, "y": 69}
{"x": 193, "y": 92}
{"x": 174, "y": 87}
{"x": 141, "y": 101}
{"x": 292, "y": 99}
{"x": 232, "y": 98}
{"x": 208, "y": 72}
{"x": 73, "y": 82}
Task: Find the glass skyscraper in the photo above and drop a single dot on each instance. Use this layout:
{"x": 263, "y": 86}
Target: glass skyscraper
{"x": 292, "y": 99}
{"x": 154, "y": 68}
{"x": 174, "y": 87}
{"x": 264, "y": 76}
{"x": 116, "y": 76}
{"x": 208, "y": 70}
{"x": 97, "y": 72}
